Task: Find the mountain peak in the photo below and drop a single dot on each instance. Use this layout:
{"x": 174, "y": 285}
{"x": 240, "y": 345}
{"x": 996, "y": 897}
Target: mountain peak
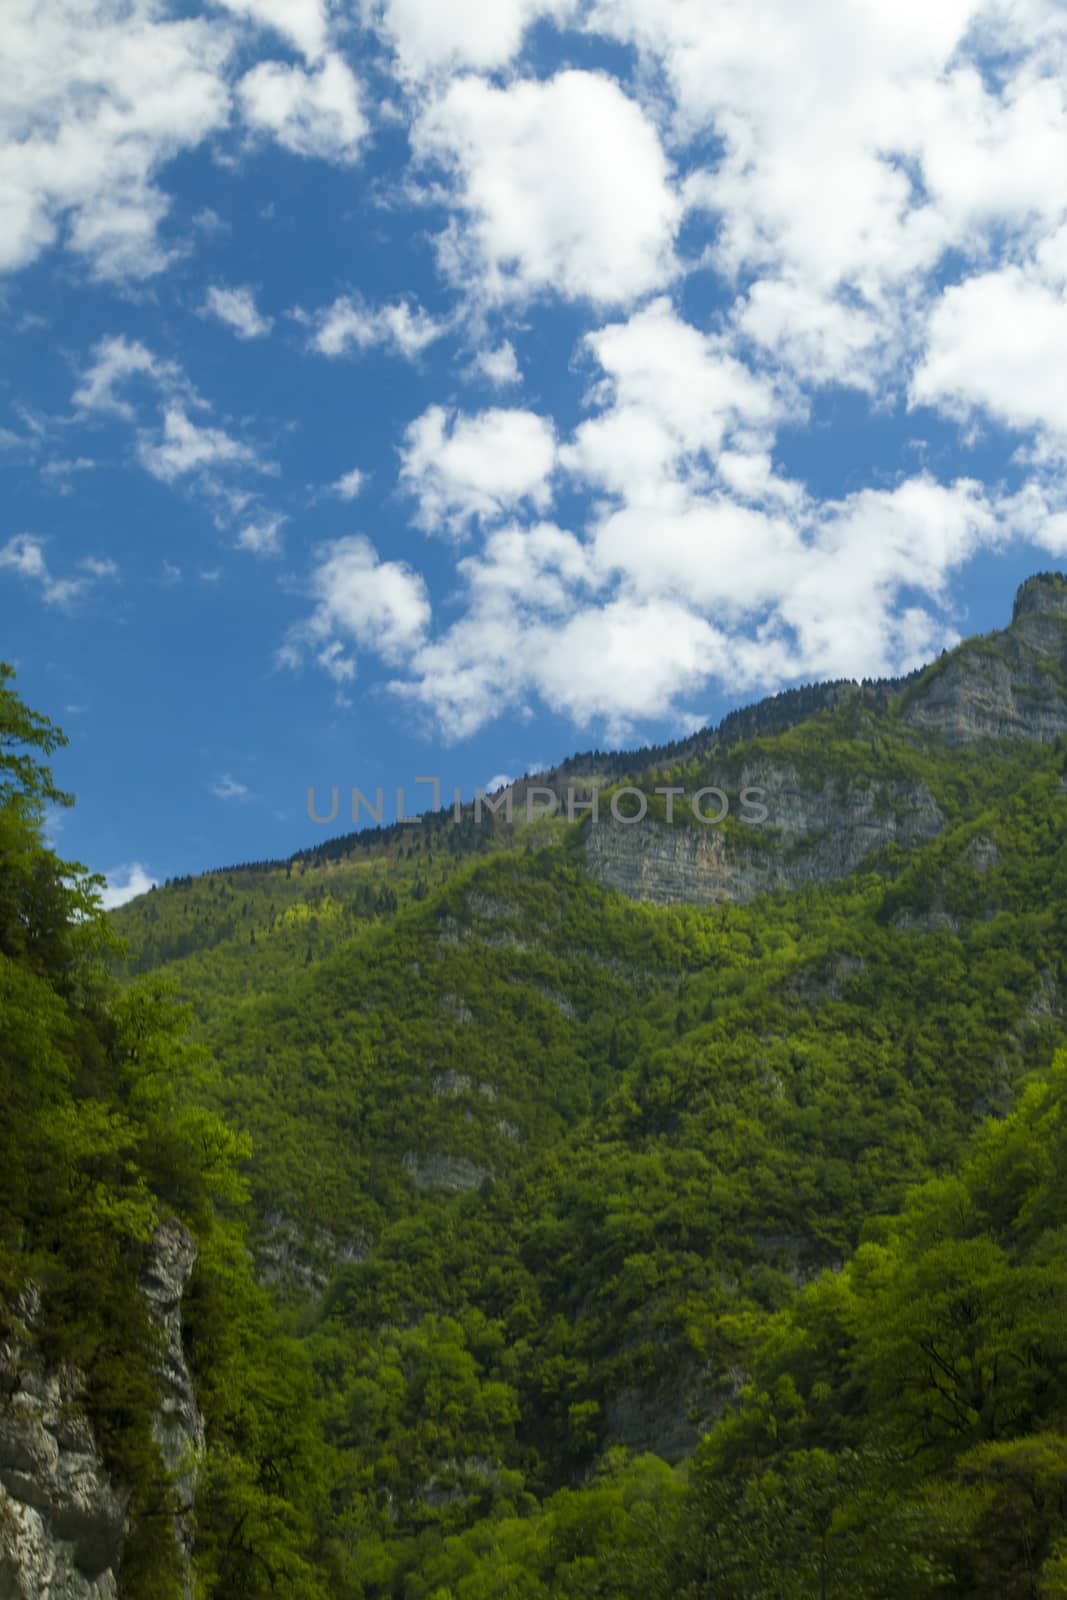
{"x": 1045, "y": 594}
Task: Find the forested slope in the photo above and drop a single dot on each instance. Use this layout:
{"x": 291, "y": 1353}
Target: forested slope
{"x": 616, "y": 1247}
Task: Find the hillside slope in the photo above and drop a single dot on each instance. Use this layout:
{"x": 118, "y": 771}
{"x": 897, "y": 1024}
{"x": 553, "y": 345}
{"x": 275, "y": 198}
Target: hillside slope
{"x": 539, "y": 1166}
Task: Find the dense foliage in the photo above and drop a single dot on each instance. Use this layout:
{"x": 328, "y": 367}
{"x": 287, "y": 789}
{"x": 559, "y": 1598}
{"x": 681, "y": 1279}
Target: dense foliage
{"x": 612, "y": 1250}
{"x": 105, "y": 1133}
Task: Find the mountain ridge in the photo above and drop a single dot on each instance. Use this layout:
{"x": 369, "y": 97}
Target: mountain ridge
{"x": 988, "y": 711}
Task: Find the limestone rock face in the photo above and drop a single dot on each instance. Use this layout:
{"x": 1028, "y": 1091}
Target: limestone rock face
{"x": 178, "y": 1427}
{"x": 301, "y": 1256}
{"x": 1009, "y": 685}
{"x": 437, "y": 1170}
{"x": 811, "y": 835}
{"x": 62, "y": 1519}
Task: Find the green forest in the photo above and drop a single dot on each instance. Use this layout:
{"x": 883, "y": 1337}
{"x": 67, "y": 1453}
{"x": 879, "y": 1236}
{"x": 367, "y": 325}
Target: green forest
{"x": 551, "y": 1242}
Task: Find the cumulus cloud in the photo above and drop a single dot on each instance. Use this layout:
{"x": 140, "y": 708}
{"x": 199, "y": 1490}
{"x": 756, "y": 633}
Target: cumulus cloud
{"x": 429, "y": 37}
{"x": 867, "y": 196}
{"x": 316, "y": 113}
{"x": 303, "y": 22}
{"x": 997, "y": 343}
{"x": 97, "y": 99}
{"x": 183, "y": 447}
{"x": 669, "y": 395}
{"x": 263, "y": 536}
{"x": 621, "y": 631}
{"x": 348, "y": 485}
{"x": 101, "y": 97}
{"x": 559, "y": 186}
{"x": 498, "y": 366}
{"x": 99, "y": 567}
{"x": 24, "y": 556}
{"x": 349, "y": 324}
{"x": 228, "y": 788}
{"x": 117, "y": 360}
{"x": 617, "y": 662}
{"x": 360, "y": 601}
{"x": 463, "y": 469}
{"x": 237, "y": 309}
{"x": 178, "y": 449}
{"x": 859, "y": 144}
{"x": 125, "y": 883}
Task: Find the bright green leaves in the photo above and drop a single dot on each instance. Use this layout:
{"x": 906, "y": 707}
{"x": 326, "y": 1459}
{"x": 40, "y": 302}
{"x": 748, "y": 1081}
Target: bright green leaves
{"x": 23, "y": 778}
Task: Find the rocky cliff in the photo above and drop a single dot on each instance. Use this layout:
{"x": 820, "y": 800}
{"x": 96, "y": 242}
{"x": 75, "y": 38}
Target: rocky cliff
{"x": 1007, "y": 685}
{"x": 178, "y": 1427}
{"x": 62, "y": 1519}
{"x": 811, "y": 834}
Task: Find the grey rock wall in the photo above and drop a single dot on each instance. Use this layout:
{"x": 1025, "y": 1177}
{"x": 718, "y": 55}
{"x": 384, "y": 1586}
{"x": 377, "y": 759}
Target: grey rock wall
{"x": 811, "y": 835}
{"x": 62, "y": 1519}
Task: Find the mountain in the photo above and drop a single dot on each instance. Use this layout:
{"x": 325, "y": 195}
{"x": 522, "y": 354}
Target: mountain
{"x": 653, "y": 1207}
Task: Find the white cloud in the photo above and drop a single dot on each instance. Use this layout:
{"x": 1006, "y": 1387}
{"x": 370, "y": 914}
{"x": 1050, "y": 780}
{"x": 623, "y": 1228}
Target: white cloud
{"x": 263, "y": 537}
{"x": 998, "y": 343}
{"x": 823, "y": 336}
{"x": 704, "y": 567}
{"x": 706, "y": 549}
{"x": 429, "y": 37}
{"x": 348, "y": 485}
{"x": 666, "y": 603}
{"x": 619, "y": 662}
{"x": 670, "y": 395}
{"x": 476, "y": 468}
{"x": 237, "y": 308}
{"x": 228, "y": 788}
{"x": 310, "y": 113}
{"x": 860, "y": 143}
{"x": 303, "y": 22}
{"x": 24, "y": 556}
{"x": 524, "y": 583}
{"x": 843, "y": 601}
{"x": 125, "y": 883}
{"x": 375, "y": 605}
{"x": 350, "y": 324}
{"x": 626, "y": 661}
{"x": 115, "y": 361}
{"x": 1038, "y": 513}
{"x": 538, "y": 569}
{"x": 179, "y": 447}
{"x": 98, "y": 98}
{"x": 498, "y": 366}
{"x": 98, "y": 567}
{"x": 60, "y": 471}
{"x": 184, "y": 447}
{"x": 559, "y": 186}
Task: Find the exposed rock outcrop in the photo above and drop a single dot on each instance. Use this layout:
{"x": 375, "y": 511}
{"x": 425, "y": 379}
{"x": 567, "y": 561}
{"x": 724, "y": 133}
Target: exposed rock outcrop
{"x": 178, "y": 1427}
{"x": 812, "y": 834}
{"x": 439, "y": 1171}
{"x": 301, "y": 1257}
{"x": 62, "y": 1519}
{"x": 670, "y": 1418}
{"x": 1007, "y": 685}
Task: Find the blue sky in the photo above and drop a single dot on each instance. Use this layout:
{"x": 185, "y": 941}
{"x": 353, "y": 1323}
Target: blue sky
{"x": 395, "y": 388}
